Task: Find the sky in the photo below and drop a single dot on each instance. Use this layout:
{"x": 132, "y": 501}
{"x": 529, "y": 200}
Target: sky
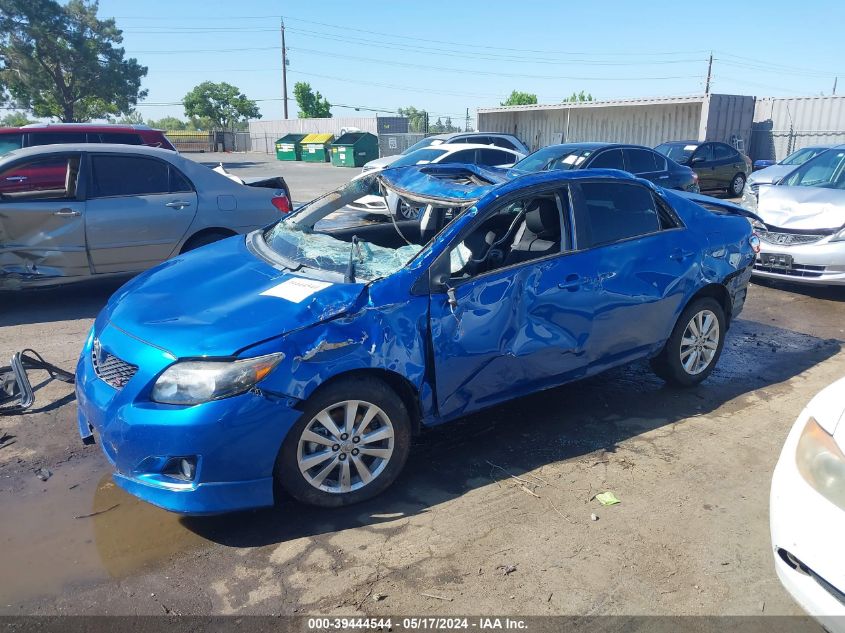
{"x": 447, "y": 57}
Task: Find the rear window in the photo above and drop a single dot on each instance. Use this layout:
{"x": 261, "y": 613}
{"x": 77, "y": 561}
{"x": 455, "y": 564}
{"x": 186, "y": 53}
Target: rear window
{"x": 10, "y": 142}
{"x": 121, "y": 138}
{"x": 51, "y": 138}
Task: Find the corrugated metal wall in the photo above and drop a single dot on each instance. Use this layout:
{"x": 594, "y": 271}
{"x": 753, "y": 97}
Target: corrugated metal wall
{"x": 783, "y": 125}
{"x": 648, "y": 124}
{"x": 728, "y": 119}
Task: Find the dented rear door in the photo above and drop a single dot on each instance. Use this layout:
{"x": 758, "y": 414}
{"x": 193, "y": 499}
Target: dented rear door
{"x": 42, "y": 223}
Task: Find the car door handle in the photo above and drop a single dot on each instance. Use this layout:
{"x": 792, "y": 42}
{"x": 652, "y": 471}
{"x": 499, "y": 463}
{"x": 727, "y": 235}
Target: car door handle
{"x": 16, "y": 178}
{"x": 572, "y": 283}
{"x": 680, "y": 255}
{"x": 66, "y": 212}
{"x": 178, "y": 204}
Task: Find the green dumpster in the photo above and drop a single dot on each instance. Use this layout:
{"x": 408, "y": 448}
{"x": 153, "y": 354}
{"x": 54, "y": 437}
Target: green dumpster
{"x": 353, "y": 149}
{"x": 289, "y": 147}
{"x": 315, "y": 148}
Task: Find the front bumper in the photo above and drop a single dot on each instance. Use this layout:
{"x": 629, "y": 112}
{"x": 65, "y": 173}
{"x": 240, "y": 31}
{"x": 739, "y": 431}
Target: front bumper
{"x": 810, "y": 528}
{"x": 821, "y": 263}
{"x": 234, "y": 441}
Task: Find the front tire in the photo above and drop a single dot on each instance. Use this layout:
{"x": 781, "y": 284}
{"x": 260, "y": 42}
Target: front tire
{"x": 737, "y": 185}
{"x": 695, "y": 345}
{"x": 349, "y": 445}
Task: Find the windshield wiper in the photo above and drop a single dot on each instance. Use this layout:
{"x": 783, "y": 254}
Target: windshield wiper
{"x": 350, "y": 269}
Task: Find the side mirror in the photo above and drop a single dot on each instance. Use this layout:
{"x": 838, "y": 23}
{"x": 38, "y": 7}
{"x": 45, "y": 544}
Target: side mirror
{"x": 696, "y": 159}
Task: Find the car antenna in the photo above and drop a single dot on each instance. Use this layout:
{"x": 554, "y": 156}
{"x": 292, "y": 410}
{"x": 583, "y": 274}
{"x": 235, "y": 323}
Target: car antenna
{"x": 350, "y": 269}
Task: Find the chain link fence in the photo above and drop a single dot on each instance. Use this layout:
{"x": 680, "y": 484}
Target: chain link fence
{"x": 212, "y": 141}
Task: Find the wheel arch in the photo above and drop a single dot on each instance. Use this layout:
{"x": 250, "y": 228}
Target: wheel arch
{"x": 210, "y": 230}
{"x": 403, "y": 388}
{"x": 718, "y": 292}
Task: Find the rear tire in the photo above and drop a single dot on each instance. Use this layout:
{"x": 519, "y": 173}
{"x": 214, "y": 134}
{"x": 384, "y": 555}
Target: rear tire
{"x": 695, "y": 345}
{"x": 737, "y": 185}
{"x": 204, "y": 239}
{"x": 349, "y": 445}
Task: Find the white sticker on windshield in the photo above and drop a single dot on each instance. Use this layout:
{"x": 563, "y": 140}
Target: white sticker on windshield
{"x": 690, "y": 148}
{"x": 296, "y": 289}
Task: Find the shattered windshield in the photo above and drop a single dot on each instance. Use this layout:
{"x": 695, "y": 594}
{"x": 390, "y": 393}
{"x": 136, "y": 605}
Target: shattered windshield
{"x": 320, "y": 235}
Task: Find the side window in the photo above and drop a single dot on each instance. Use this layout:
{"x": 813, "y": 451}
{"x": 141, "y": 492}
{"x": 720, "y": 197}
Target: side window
{"x": 115, "y": 175}
{"x": 495, "y": 157}
{"x": 121, "y": 138}
{"x": 519, "y": 231}
{"x": 9, "y": 142}
{"x": 51, "y": 138}
{"x": 609, "y": 159}
{"x": 723, "y": 152}
{"x": 178, "y": 182}
{"x": 51, "y": 178}
{"x": 640, "y": 161}
{"x": 704, "y": 153}
{"x": 660, "y": 161}
{"x": 614, "y": 212}
{"x": 464, "y": 156}
{"x": 499, "y": 141}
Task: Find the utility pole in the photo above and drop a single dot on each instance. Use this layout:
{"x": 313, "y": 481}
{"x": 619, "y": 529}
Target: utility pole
{"x": 466, "y": 125}
{"x": 709, "y": 70}
{"x": 835, "y": 79}
{"x": 284, "y": 69}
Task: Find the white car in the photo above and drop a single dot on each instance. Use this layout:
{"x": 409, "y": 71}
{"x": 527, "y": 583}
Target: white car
{"x": 776, "y": 171}
{"x": 466, "y": 153}
{"x": 506, "y": 141}
{"x": 807, "y": 509}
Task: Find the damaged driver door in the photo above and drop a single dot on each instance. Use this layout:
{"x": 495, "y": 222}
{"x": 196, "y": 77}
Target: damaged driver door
{"x": 42, "y": 224}
{"x": 511, "y": 305}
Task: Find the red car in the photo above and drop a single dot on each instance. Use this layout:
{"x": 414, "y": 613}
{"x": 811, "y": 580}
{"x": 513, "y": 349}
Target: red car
{"x": 12, "y": 138}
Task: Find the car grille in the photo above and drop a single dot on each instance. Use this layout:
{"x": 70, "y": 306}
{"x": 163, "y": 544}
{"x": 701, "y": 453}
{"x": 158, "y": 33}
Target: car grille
{"x": 109, "y": 368}
{"x": 797, "y": 270}
{"x": 788, "y": 239}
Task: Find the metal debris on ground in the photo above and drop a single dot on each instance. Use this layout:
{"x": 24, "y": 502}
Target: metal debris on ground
{"x": 43, "y": 474}
{"x": 607, "y": 499}
{"x": 432, "y": 595}
{"x": 594, "y": 517}
{"x": 379, "y": 596}
{"x": 506, "y": 569}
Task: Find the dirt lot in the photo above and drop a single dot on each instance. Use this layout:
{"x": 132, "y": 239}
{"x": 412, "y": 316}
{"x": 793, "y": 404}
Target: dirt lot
{"x": 506, "y": 490}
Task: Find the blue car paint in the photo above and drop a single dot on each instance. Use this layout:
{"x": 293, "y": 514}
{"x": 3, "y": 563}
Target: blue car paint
{"x": 514, "y": 331}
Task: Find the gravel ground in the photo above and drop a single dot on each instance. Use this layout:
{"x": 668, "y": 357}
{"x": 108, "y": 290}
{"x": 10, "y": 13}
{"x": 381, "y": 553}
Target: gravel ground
{"x": 492, "y": 514}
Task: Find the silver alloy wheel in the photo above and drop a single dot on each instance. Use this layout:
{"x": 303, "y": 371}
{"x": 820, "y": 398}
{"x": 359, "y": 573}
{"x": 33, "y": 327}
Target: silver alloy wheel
{"x": 738, "y": 185}
{"x": 345, "y": 446}
{"x": 700, "y": 342}
{"x": 407, "y": 211}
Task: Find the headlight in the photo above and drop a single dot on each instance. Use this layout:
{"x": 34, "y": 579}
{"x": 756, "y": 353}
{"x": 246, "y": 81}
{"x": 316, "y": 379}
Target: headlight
{"x": 821, "y": 462}
{"x": 196, "y": 381}
{"x": 839, "y": 236}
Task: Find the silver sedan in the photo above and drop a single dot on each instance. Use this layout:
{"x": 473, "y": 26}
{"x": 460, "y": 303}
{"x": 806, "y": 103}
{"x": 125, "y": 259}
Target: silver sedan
{"x": 73, "y": 212}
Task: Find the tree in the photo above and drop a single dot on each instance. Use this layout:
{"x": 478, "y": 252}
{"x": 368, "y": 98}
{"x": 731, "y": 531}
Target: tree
{"x": 168, "y": 123}
{"x": 14, "y": 119}
{"x": 581, "y": 96}
{"x": 222, "y": 104}
{"x": 61, "y": 61}
{"x": 312, "y": 105}
{"x": 417, "y": 119}
{"x": 133, "y": 118}
{"x": 520, "y": 98}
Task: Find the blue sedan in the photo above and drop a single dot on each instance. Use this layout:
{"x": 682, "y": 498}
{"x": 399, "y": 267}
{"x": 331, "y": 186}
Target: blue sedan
{"x": 303, "y": 357}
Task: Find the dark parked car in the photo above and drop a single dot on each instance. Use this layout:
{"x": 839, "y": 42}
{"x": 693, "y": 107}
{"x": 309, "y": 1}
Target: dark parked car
{"x": 12, "y": 138}
{"x": 636, "y": 159}
{"x": 718, "y": 165}
{"x": 303, "y": 359}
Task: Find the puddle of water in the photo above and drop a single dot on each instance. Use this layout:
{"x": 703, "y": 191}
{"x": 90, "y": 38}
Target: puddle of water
{"x": 45, "y": 547}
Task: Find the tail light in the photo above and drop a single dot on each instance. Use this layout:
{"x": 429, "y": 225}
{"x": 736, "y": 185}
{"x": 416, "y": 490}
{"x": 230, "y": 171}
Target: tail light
{"x": 281, "y": 203}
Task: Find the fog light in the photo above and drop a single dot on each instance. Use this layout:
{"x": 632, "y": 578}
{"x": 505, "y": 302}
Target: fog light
{"x": 188, "y": 468}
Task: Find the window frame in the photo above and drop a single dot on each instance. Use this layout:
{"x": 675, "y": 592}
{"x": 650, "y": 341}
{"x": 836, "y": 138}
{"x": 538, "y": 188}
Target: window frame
{"x": 81, "y": 178}
{"x": 627, "y": 150}
{"x": 597, "y": 153}
{"x": 579, "y": 210}
{"x": 441, "y": 265}
{"x": 89, "y": 159}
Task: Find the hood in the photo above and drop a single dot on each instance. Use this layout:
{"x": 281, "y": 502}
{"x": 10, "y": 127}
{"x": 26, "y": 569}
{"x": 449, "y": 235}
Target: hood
{"x": 381, "y": 163}
{"x": 770, "y": 174}
{"x": 801, "y": 208}
{"x": 828, "y": 408}
{"x": 221, "y": 298}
